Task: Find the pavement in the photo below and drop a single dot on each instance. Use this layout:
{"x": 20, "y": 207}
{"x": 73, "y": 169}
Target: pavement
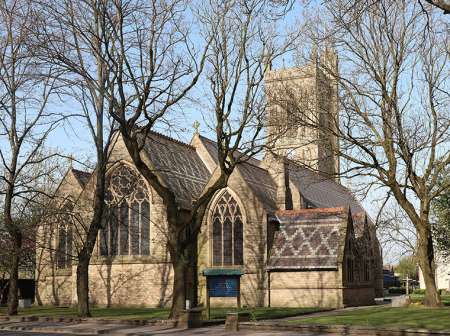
{"x": 37, "y": 328}
{"x": 16, "y": 327}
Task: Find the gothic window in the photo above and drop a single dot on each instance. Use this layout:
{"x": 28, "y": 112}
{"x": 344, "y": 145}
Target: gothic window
{"x": 227, "y": 232}
{"x": 64, "y": 238}
{"x": 127, "y": 226}
{"x": 64, "y": 248}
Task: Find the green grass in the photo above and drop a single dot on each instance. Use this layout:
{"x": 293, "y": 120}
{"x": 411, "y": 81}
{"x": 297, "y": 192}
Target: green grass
{"x": 411, "y": 317}
{"x": 159, "y": 313}
{"x": 264, "y": 313}
{"x": 419, "y": 298}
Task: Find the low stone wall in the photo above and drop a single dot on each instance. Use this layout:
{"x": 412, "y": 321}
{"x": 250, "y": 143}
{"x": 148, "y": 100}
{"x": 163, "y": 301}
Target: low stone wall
{"x": 340, "y": 330}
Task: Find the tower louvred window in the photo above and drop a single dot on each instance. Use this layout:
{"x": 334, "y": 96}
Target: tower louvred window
{"x": 127, "y": 226}
{"x": 227, "y": 232}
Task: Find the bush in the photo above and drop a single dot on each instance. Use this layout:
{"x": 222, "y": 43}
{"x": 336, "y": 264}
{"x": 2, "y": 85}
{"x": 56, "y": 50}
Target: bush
{"x": 397, "y": 290}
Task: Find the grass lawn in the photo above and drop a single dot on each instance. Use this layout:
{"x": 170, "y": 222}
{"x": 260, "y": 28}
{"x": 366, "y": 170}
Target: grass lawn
{"x": 158, "y": 313}
{"x": 419, "y": 298}
{"x": 411, "y": 317}
{"x": 264, "y": 313}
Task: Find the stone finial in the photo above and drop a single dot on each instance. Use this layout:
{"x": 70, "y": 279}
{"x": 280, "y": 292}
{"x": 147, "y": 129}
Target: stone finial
{"x": 196, "y": 126}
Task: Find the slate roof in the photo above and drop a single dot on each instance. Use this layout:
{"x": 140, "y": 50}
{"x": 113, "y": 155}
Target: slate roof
{"x": 182, "y": 169}
{"x": 81, "y": 176}
{"x": 318, "y": 190}
{"x": 258, "y": 178}
{"x": 322, "y": 191}
{"x": 309, "y": 239}
{"x": 179, "y": 166}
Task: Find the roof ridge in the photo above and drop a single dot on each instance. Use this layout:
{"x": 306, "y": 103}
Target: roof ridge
{"x": 246, "y": 161}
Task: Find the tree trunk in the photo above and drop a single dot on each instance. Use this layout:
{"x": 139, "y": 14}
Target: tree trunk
{"x": 83, "y": 287}
{"x": 425, "y": 254}
{"x": 192, "y": 274}
{"x": 179, "y": 287}
{"x": 13, "y": 293}
{"x": 38, "y": 296}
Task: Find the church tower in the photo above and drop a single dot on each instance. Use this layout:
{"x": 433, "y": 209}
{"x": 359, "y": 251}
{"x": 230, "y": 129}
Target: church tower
{"x": 303, "y": 113}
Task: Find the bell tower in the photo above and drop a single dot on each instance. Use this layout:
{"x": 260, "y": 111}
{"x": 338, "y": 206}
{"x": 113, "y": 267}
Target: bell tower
{"x": 303, "y": 112}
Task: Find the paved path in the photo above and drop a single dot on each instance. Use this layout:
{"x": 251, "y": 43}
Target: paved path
{"x": 43, "y": 328}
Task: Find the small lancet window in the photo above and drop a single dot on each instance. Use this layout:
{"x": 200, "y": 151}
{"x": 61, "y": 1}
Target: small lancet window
{"x": 64, "y": 238}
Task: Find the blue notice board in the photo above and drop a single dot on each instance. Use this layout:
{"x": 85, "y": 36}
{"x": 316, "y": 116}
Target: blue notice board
{"x": 223, "y": 286}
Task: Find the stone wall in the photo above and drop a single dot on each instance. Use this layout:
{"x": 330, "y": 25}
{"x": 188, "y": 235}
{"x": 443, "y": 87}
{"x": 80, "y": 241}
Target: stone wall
{"x": 56, "y": 290}
{"x": 254, "y": 280}
{"x": 130, "y": 284}
{"x": 306, "y": 289}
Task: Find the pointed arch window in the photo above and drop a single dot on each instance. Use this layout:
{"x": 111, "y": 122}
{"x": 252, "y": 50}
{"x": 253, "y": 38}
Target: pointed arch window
{"x": 227, "y": 232}
{"x": 127, "y": 226}
{"x": 64, "y": 237}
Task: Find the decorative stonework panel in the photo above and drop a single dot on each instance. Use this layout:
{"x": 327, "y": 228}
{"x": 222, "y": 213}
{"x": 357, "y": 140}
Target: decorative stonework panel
{"x": 308, "y": 240}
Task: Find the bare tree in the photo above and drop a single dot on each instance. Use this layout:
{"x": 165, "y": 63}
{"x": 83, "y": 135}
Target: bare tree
{"x": 25, "y": 123}
{"x": 441, "y": 222}
{"x": 397, "y": 234}
{"x": 394, "y": 98}
{"x": 77, "y": 39}
{"x": 155, "y": 65}
{"x": 441, "y": 4}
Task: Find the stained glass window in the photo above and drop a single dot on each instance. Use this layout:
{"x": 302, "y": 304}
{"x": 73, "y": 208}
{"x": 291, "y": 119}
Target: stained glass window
{"x": 227, "y": 232}
{"x": 127, "y": 226}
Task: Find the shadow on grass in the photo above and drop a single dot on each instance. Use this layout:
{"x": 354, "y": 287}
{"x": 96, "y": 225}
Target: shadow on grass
{"x": 411, "y": 317}
{"x": 160, "y": 313}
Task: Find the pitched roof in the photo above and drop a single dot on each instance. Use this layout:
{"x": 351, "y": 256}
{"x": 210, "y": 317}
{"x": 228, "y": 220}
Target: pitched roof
{"x": 183, "y": 170}
{"x": 320, "y": 190}
{"x": 81, "y": 176}
{"x": 258, "y": 178}
{"x": 179, "y": 166}
{"x": 309, "y": 239}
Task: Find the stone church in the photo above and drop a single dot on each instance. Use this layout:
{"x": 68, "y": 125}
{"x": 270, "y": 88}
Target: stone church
{"x": 299, "y": 238}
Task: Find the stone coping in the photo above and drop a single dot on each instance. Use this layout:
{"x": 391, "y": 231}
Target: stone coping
{"x": 342, "y": 329}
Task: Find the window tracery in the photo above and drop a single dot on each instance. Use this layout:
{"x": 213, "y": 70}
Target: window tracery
{"x": 227, "y": 232}
{"x": 127, "y": 225}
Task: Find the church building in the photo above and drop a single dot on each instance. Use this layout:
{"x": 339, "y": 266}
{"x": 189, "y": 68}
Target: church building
{"x": 298, "y": 237}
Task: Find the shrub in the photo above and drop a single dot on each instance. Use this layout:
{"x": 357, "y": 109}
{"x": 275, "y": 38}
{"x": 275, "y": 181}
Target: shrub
{"x": 397, "y": 290}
